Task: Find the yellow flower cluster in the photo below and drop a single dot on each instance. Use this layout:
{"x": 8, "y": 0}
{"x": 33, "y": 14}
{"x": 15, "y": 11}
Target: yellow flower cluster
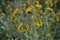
{"x": 49, "y": 2}
{"x": 27, "y": 27}
{"x": 31, "y": 9}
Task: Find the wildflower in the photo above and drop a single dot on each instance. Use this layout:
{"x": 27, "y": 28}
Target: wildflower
{"x": 20, "y": 28}
{"x": 57, "y": 18}
{"x": 41, "y": 16}
{"x": 20, "y": 12}
{"x": 3, "y": 15}
{"x": 49, "y": 9}
{"x": 37, "y": 2}
{"x": 38, "y": 5}
{"x": 51, "y": 3}
{"x": 48, "y": 35}
{"x": 23, "y": 6}
{"x": 39, "y": 24}
{"x": 15, "y": 12}
{"x": 40, "y": 11}
{"x": 52, "y": 12}
{"x": 28, "y": 9}
{"x": 14, "y": 20}
{"x": 9, "y": 7}
{"x": 46, "y": 2}
{"x": 27, "y": 27}
{"x": 48, "y": 25}
{"x": 28, "y": 2}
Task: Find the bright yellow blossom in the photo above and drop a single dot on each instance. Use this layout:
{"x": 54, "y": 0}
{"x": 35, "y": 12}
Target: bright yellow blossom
{"x": 38, "y": 5}
{"x": 39, "y": 24}
{"x": 28, "y": 10}
{"x": 49, "y": 9}
{"x": 20, "y": 28}
{"x": 15, "y": 11}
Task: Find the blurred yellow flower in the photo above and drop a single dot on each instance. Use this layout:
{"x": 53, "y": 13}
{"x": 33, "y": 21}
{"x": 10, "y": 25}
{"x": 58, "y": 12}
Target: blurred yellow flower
{"x": 39, "y": 24}
{"x": 38, "y": 5}
{"x": 37, "y": 2}
{"x": 49, "y": 9}
{"x": 28, "y": 1}
{"x": 27, "y": 26}
{"x": 46, "y": 2}
{"x": 48, "y": 35}
{"x": 20, "y": 28}
{"x": 51, "y": 3}
{"x": 14, "y": 20}
{"x": 31, "y": 32}
{"x": 9, "y": 7}
{"x": 3, "y": 15}
{"x": 57, "y": 18}
{"x": 28, "y": 9}
{"x": 15, "y": 11}
{"x": 52, "y": 12}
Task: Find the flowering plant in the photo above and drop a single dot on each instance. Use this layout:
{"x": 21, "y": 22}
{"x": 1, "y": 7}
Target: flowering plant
{"x": 30, "y": 20}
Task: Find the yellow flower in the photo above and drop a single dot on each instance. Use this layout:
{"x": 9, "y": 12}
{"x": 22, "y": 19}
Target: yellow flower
{"x": 28, "y": 2}
{"x": 20, "y": 28}
{"x": 20, "y": 12}
{"x": 49, "y": 9}
{"x": 40, "y": 11}
{"x": 37, "y": 2}
{"x": 38, "y": 5}
{"x": 15, "y": 11}
{"x": 27, "y": 27}
{"x": 3, "y": 15}
{"x": 48, "y": 35}
{"x": 14, "y": 20}
{"x": 46, "y": 2}
{"x": 51, "y": 3}
{"x": 57, "y": 18}
{"x": 9, "y": 7}
{"x": 48, "y": 25}
{"x": 52, "y": 12}
{"x": 39, "y": 24}
{"x": 28, "y": 9}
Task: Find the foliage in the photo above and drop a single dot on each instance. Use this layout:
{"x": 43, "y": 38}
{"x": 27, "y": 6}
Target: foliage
{"x": 30, "y": 20}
